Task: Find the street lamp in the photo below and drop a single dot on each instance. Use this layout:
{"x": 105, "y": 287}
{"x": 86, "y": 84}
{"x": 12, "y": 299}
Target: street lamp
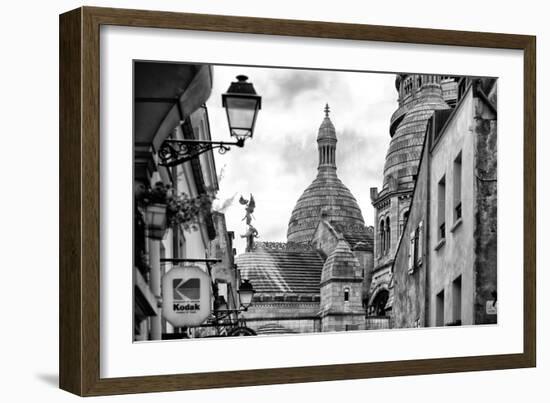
{"x": 246, "y": 292}
{"x": 155, "y": 217}
{"x": 241, "y": 104}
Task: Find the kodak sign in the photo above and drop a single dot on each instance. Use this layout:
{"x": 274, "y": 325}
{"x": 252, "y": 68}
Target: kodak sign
{"x": 186, "y": 296}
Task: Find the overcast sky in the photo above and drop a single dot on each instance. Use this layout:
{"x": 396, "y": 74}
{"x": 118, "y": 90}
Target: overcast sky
{"x": 280, "y": 161}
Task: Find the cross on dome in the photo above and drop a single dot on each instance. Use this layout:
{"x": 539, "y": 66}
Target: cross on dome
{"x": 327, "y": 110}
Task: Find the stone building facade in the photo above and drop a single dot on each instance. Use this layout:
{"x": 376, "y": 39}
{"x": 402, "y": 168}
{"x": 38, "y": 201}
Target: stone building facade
{"x": 317, "y": 280}
{"x": 445, "y": 269}
{"x": 418, "y": 97}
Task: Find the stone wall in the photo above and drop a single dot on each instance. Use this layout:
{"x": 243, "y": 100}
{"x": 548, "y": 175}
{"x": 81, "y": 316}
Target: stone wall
{"x": 341, "y": 277}
{"x": 485, "y": 211}
{"x": 300, "y": 317}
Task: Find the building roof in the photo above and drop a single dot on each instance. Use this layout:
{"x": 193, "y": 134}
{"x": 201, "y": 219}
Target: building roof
{"x": 281, "y": 268}
{"x": 341, "y": 263}
{"x": 358, "y": 237}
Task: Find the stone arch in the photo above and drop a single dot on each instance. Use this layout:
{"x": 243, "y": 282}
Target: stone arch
{"x": 378, "y": 300}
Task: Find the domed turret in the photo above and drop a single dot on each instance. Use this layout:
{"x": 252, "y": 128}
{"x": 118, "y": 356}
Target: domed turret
{"x": 326, "y": 195}
{"x": 419, "y": 97}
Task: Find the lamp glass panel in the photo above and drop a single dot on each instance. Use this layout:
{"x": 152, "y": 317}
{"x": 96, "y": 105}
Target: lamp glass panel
{"x": 245, "y": 297}
{"x": 241, "y": 114}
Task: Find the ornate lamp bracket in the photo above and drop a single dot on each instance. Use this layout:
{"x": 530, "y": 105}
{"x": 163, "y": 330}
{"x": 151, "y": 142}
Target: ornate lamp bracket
{"x": 176, "y": 152}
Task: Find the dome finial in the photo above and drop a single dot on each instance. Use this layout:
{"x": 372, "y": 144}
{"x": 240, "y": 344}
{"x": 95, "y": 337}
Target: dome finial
{"x": 327, "y": 110}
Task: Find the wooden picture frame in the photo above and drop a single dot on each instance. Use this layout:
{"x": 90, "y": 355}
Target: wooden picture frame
{"x": 79, "y": 201}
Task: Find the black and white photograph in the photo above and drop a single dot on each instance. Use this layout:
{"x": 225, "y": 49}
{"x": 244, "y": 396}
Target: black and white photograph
{"x": 278, "y": 201}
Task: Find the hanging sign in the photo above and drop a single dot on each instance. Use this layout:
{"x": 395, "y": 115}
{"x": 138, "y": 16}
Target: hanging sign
{"x": 491, "y": 307}
{"x": 186, "y": 296}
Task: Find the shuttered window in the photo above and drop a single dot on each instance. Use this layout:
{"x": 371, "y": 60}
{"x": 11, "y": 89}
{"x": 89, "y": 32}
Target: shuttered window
{"x": 419, "y": 242}
{"x": 411, "y": 252}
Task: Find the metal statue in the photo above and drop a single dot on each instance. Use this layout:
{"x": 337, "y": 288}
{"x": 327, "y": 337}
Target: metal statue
{"x": 250, "y": 206}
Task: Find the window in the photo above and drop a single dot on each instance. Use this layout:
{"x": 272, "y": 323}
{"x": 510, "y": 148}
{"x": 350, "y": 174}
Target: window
{"x": 415, "y": 248}
{"x": 457, "y": 301}
{"x": 418, "y": 243}
{"x": 457, "y": 187}
{"x": 412, "y": 247}
{"x": 388, "y": 234}
{"x": 346, "y": 294}
{"x": 403, "y": 222}
{"x": 407, "y": 86}
{"x": 441, "y": 209}
{"x": 382, "y": 246}
{"x": 440, "y": 309}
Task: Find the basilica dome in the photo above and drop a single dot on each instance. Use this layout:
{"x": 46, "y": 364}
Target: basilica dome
{"x": 326, "y": 196}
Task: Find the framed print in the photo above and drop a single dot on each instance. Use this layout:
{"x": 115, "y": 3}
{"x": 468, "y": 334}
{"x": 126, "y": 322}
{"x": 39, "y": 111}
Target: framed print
{"x": 249, "y": 201}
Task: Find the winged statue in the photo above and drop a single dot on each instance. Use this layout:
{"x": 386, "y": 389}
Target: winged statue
{"x": 250, "y": 206}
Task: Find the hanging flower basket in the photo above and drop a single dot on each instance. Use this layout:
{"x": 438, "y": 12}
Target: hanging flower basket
{"x": 163, "y": 209}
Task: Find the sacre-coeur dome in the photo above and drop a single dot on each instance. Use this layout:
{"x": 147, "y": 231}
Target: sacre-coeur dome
{"x": 326, "y": 196}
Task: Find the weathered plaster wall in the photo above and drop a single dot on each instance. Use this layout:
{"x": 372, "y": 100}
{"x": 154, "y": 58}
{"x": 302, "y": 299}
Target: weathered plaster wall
{"x": 455, "y": 257}
{"x": 409, "y": 289}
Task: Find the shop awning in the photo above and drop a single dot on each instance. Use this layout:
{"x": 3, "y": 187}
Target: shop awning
{"x": 164, "y": 95}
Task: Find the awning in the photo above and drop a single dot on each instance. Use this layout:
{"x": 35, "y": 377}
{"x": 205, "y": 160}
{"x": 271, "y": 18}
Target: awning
{"x": 164, "y": 95}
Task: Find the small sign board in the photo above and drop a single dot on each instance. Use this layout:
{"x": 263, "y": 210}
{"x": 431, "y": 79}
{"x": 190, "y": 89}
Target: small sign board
{"x": 491, "y": 307}
{"x": 186, "y": 296}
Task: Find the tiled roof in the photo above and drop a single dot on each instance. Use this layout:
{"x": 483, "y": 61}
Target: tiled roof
{"x": 281, "y": 271}
{"x": 358, "y": 238}
{"x": 341, "y": 263}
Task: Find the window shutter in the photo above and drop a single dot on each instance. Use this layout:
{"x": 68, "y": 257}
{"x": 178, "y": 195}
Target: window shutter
{"x": 411, "y": 252}
{"x": 419, "y": 243}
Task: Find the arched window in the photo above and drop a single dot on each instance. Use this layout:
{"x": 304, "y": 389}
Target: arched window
{"x": 382, "y": 242}
{"x": 388, "y": 234}
{"x": 346, "y": 294}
